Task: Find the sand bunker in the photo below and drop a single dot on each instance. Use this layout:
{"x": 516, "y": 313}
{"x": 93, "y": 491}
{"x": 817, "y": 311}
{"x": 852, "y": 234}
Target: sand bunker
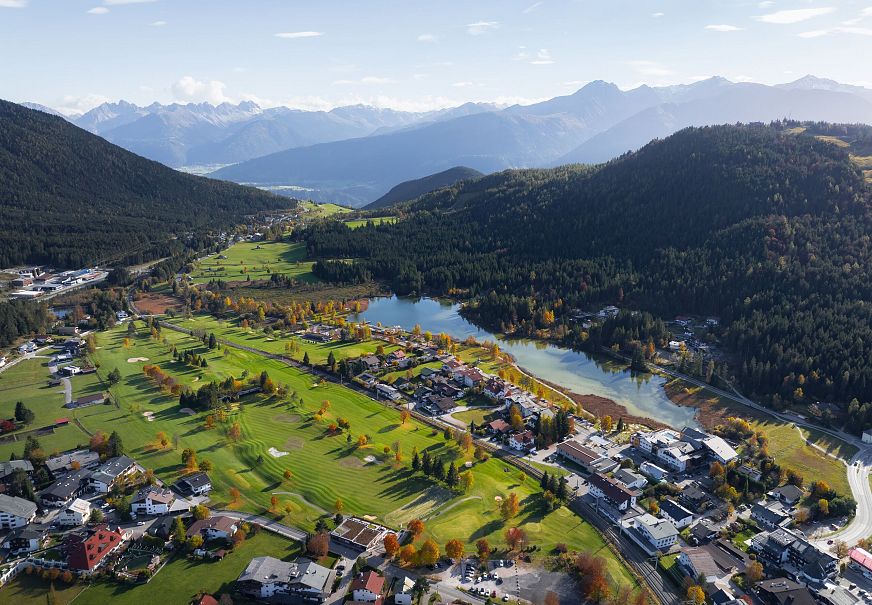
{"x": 498, "y": 499}
{"x": 276, "y": 453}
{"x": 187, "y": 411}
{"x": 351, "y": 462}
{"x": 136, "y": 359}
{"x": 149, "y": 416}
{"x": 292, "y": 418}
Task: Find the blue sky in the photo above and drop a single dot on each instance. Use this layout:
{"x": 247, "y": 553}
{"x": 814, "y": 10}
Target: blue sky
{"x": 411, "y": 54}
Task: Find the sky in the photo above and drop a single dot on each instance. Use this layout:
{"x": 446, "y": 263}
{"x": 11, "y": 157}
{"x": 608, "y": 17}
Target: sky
{"x": 412, "y": 54}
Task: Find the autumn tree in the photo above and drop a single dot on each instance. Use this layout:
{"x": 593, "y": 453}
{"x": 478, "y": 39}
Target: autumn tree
{"x": 234, "y": 495}
{"x": 483, "y": 549}
{"x": 404, "y": 416}
{"x": 416, "y": 528}
{"x": 754, "y": 572}
{"x": 318, "y": 545}
{"x": 391, "y": 544}
{"x": 467, "y": 481}
{"x": 510, "y": 506}
{"x": 408, "y": 554}
{"x": 338, "y": 506}
{"x": 454, "y": 549}
{"x": 696, "y": 595}
{"x": 607, "y": 424}
{"x": 516, "y": 538}
{"x": 429, "y": 553}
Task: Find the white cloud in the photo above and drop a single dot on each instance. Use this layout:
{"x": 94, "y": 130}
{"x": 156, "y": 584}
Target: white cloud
{"x": 787, "y": 17}
{"x": 651, "y": 68}
{"x": 71, "y": 104}
{"x": 819, "y": 33}
{"x": 723, "y": 27}
{"x": 532, "y": 7}
{"x": 158, "y": 23}
{"x": 295, "y": 35}
{"x": 658, "y": 15}
{"x": 13, "y": 3}
{"x": 98, "y": 10}
{"x": 427, "y": 38}
{"x": 122, "y": 2}
{"x": 364, "y": 80}
{"x": 543, "y": 57}
{"x": 190, "y": 89}
{"x": 867, "y": 12}
{"x": 466, "y": 84}
{"x": 481, "y": 27}
{"x": 766, "y": 4}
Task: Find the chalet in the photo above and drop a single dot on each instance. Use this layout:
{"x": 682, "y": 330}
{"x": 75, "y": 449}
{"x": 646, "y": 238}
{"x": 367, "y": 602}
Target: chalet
{"x": 697, "y": 562}
{"x": 75, "y": 513}
{"x": 653, "y": 471}
{"x": 162, "y": 527}
{"x": 750, "y": 471}
{"x": 87, "y": 550}
{"x": 499, "y": 427}
{"x": 399, "y": 358}
{"x": 522, "y": 441}
{"x": 427, "y": 373}
{"x": 493, "y": 388}
{"x": 441, "y": 405}
{"x": 7, "y": 469}
{"x": 23, "y": 540}
{"x": 368, "y": 380}
{"x": 451, "y": 365}
{"x": 214, "y": 528}
{"x": 694, "y": 498}
{"x": 677, "y": 514}
{"x": 268, "y": 578}
{"x": 613, "y": 492}
{"x": 152, "y": 501}
{"x": 367, "y": 587}
{"x": 359, "y": 534}
{"x": 702, "y": 533}
{"x": 197, "y": 484}
{"x": 107, "y": 474}
{"x": 469, "y": 377}
{"x": 15, "y": 511}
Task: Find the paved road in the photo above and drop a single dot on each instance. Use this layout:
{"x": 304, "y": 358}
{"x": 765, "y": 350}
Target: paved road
{"x": 272, "y": 525}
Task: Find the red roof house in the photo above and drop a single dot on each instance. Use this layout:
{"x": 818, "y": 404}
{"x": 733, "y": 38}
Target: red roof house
{"x": 87, "y": 550}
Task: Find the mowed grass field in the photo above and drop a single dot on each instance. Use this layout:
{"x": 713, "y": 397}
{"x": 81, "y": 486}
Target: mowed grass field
{"x": 322, "y": 210}
{"x": 318, "y": 352}
{"x": 178, "y": 582}
{"x": 257, "y": 261}
{"x": 378, "y": 220}
{"x": 325, "y": 467}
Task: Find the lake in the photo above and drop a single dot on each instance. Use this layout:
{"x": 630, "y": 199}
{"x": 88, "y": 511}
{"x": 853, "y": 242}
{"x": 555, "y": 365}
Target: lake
{"x": 642, "y": 395}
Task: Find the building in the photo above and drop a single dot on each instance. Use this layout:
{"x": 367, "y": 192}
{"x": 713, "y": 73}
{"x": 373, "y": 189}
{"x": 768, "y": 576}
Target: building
{"x": 387, "y": 391}
{"x": 653, "y": 471}
{"x": 87, "y": 400}
{"x": 71, "y": 461}
{"x": 630, "y": 479}
{"x": 787, "y": 494}
{"x": 76, "y": 513}
{"x": 8, "y": 468}
{"x": 861, "y": 561}
{"x": 268, "y": 578}
{"x": 367, "y": 587}
{"x": 403, "y": 593}
{"x": 702, "y": 533}
{"x": 370, "y": 362}
{"x": 499, "y": 427}
{"x": 359, "y": 534}
{"x": 613, "y": 492}
{"x": 867, "y": 436}
{"x": 152, "y": 501}
{"x": 15, "y": 511}
{"x": 197, "y": 484}
{"x": 23, "y": 540}
{"x": 214, "y": 528}
{"x": 88, "y": 549}
{"x": 781, "y": 591}
{"x": 522, "y": 441}
{"x": 65, "y": 489}
{"x": 659, "y": 533}
{"x": 770, "y": 517}
{"x": 698, "y": 563}
{"x": 677, "y": 514}
{"x": 586, "y": 458}
{"x": 694, "y": 498}
{"x": 114, "y": 469}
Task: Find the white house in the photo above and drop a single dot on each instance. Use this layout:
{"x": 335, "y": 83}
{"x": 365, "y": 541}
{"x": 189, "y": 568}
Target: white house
{"x": 654, "y": 471}
{"x": 107, "y": 474}
{"x": 152, "y": 501}
{"x": 367, "y": 587}
{"x": 213, "y": 528}
{"x": 76, "y": 513}
{"x": 677, "y": 514}
{"x": 386, "y": 390}
{"x": 867, "y": 436}
{"x": 15, "y": 512}
{"x": 630, "y": 479}
{"x": 197, "y": 484}
{"x": 403, "y": 594}
{"x": 522, "y": 441}
{"x": 659, "y": 533}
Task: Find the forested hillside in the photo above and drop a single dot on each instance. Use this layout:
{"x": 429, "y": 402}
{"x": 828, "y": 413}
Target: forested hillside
{"x": 69, "y": 198}
{"x": 766, "y": 227}
{"x": 410, "y": 190}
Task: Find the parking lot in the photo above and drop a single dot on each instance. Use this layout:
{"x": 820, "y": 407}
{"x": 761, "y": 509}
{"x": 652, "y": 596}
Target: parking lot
{"x": 498, "y": 582}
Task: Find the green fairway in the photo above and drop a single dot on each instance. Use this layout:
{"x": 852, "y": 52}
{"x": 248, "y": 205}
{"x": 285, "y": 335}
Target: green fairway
{"x": 318, "y": 352}
{"x": 27, "y": 381}
{"x": 256, "y": 261}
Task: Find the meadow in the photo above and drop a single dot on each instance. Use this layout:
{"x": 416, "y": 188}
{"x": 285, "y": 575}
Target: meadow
{"x": 256, "y": 261}
{"x": 376, "y": 220}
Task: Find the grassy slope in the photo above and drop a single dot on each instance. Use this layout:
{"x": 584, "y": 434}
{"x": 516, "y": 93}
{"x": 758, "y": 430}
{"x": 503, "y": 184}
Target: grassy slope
{"x": 258, "y": 260}
{"x": 354, "y": 224}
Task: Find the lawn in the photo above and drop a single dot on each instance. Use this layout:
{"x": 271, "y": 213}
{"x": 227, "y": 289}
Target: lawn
{"x": 378, "y": 220}
{"x": 27, "y": 381}
{"x": 256, "y": 261}
{"x": 318, "y": 352}
{"x": 478, "y": 416}
{"x": 322, "y": 210}
{"x": 33, "y": 590}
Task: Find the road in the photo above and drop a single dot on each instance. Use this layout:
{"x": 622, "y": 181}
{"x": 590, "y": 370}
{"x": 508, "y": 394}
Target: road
{"x": 292, "y": 533}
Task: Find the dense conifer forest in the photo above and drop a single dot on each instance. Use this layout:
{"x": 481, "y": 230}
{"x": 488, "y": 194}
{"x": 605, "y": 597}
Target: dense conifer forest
{"x": 69, "y": 198}
{"x": 766, "y": 227}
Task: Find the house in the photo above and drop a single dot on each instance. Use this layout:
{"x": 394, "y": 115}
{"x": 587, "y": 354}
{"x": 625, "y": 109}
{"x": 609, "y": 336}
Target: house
{"x": 658, "y": 533}
{"x": 368, "y": 380}
{"x": 442, "y": 405}
{"x": 387, "y": 391}
{"x": 522, "y": 441}
{"x": 71, "y": 461}
{"x": 152, "y": 501}
{"x": 15, "y": 511}
{"x": 702, "y": 532}
{"x": 772, "y": 547}
{"x": 367, "y": 587}
{"x": 23, "y": 540}
{"x": 787, "y": 494}
{"x": 162, "y": 527}
{"x": 114, "y": 469}
{"x": 403, "y": 593}
{"x": 814, "y": 566}
{"x": 499, "y": 427}
{"x": 613, "y": 492}
{"x": 751, "y": 472}
{"x": 470, "y": 377}
{"x": 88, "y": 549}
{"x": 197, "y": 484}
{"x": 586, "y": 458}
{"x": 87, "y": 400}
{"x": 70, "y": 371}
{"x": 68, "y": 331}
{"x": 370, "y": 362}
{"x": 493, "y": 388}
{"x": 214, "y": 528}
{"x": 653, "y": 471}
{"x": 677, "y": 514}
{"x": 770, "y": 517}
{"x": 26, "y": 348}
{"x": 399, "y": 359}
{"x": 630, "y": 479}
{"x": 65, "y": 489}
{"x": 867, "y": 436}
{"x": 76, "y": 513}
{"x": 121, "y": 316}
{"x": 861, "y": 561}
{"x": 268, "y": 577}
{"x": 781, "y": 591}
{"x": 359, "y": 534}
{"x": 7, "y": 469}
{"x": 694, "y": 498}
{"x": 698, "y": 563}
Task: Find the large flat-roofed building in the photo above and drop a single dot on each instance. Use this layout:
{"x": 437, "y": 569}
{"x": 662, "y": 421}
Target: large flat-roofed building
{"x": 585, "y": 457}
{"x": 359, "y": 534}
